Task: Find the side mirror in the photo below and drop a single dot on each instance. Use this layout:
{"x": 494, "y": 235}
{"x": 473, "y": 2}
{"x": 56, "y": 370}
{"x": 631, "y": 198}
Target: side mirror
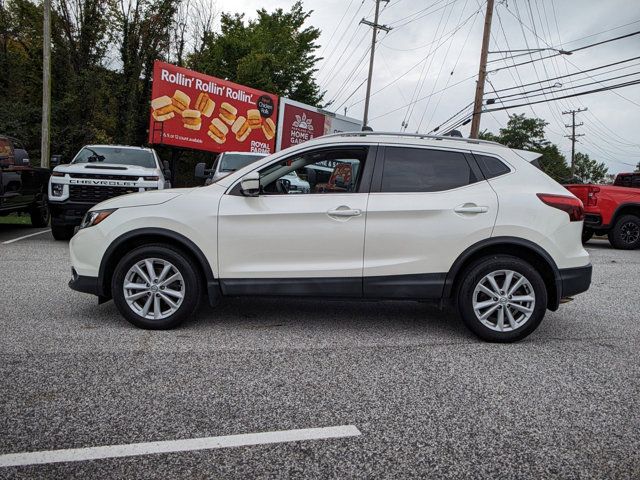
{"x": 201, "y": 171}
{"x": 250, "y": 184}
{"x": 55, "y": 160}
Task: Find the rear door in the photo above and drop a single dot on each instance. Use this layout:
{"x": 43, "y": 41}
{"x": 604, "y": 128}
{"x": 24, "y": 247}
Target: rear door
{"x": 425, "y": 208}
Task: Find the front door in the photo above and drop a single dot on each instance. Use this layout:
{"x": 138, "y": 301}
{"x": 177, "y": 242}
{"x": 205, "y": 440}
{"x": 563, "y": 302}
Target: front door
{"x": 304, "y": 233}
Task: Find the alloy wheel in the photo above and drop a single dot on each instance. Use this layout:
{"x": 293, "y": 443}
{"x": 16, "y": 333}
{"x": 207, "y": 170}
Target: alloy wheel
{"x": 630, "y": 232}
{"x": 504, "y": 300}
{"x": 154, "y": 288}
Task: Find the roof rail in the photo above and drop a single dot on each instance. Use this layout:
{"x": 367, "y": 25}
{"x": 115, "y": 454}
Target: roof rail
{"x": 411, "y": 135}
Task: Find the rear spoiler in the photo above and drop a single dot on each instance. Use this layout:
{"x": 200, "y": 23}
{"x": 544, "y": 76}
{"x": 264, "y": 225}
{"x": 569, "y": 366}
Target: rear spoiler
{"x": 532, "y": 157}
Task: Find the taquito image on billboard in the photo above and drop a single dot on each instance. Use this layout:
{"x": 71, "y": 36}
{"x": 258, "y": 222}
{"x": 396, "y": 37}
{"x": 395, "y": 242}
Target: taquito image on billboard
{"x": 193, "y": 110}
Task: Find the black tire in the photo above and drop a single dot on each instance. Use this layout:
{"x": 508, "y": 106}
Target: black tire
{"x": 62, "y": 232}
{"x": 625, "y": 234}
{"x": 472, "y": 276}
{"x": 40, "y": 213}
{"x": 587, "y": 234}
{"x": 182, "y": 263}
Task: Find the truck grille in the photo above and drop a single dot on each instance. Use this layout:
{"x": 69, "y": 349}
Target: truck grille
{"x": 90, "y": 193}
{"x": 105, "y": 177}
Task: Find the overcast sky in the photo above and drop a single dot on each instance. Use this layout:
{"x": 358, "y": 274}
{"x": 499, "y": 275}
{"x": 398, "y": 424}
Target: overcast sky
{"x": 611, "y": 123}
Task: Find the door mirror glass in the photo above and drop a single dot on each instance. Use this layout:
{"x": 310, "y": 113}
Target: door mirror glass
{"x": 250, "y": 184}
{"x": 201, "y": 171}
{"x": 55, "y": 160}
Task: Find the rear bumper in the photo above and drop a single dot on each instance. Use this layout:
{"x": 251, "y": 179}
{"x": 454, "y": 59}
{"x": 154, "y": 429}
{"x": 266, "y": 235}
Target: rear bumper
{"x": 575, "y": 280}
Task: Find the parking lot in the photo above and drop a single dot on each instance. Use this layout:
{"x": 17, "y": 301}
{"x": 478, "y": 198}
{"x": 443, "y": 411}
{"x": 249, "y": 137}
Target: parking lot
{"x": 427, "y": 398}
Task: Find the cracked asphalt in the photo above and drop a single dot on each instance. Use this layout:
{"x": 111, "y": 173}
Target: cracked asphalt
{"x": 430, "y": 400}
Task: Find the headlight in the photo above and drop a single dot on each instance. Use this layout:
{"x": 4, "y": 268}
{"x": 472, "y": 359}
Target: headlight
{"x": 57, "y": 189}
{"x": 95, "y": 217}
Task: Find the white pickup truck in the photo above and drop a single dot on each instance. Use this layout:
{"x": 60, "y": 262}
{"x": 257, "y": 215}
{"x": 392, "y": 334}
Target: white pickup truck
{"x": 97, "y": 173}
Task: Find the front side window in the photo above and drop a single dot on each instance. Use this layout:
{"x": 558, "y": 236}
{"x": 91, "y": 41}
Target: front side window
{"x": 115, "y": 155}
{"x": 423, "y": 170}
{"x": 321, "y": 171}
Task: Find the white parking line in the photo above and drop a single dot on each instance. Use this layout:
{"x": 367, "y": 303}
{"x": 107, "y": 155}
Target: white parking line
{"x": 190, "y": 444}
{"x": 26, "y": 236}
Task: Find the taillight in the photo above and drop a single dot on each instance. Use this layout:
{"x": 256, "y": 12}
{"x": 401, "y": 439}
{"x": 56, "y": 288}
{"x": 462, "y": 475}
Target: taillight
{"x": 571, "y": 205}
{"x": 592, "y": 197}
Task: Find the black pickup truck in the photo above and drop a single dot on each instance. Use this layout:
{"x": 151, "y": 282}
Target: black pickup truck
{"x": 23, "y": 188}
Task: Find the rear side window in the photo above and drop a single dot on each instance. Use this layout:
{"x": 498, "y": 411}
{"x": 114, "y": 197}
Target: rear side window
{"x": 424, "y": 170}
{"x": 491, "y": 167}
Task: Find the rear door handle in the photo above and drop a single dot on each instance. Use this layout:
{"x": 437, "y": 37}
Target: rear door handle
{"x": 470, "y": 209}
{"x": 344, "y": 212}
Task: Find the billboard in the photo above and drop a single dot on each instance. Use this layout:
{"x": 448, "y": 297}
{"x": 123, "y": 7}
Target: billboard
{"x": 298, "y": 122}
{"x": 193, "y": 110}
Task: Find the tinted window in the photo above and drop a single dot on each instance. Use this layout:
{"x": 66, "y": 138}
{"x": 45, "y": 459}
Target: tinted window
{"x": 492, "y": 167}
{"x": 120, "y": 156}
{"x": 422, "y": 170}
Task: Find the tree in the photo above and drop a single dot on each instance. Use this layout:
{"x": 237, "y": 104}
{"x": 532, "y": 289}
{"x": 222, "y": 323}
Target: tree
{"x": 589, "y": 170}
{"x": 638, "y": 167}
{"x": 272, "y": 53}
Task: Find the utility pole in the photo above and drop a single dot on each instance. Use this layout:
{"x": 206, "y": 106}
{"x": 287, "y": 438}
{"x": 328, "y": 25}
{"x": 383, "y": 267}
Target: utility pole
{"x": 482, "y": 73}
{"x": 573, "y": 135}
{"x": 46, "y": 85}
{"x": 375, "y": 27}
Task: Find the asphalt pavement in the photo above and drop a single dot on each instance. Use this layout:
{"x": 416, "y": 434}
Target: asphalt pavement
{"x": 428, "y": 398}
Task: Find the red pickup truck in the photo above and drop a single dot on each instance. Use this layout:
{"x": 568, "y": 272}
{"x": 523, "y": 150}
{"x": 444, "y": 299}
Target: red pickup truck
{"x": 610, "y": 210}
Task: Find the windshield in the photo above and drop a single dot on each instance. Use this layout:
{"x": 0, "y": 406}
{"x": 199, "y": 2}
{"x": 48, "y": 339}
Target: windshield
{"x": 235, "y": 161}
{"x": 120, "y": 156}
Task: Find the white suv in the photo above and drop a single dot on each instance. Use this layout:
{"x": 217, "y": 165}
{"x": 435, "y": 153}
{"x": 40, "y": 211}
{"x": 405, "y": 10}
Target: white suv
{"x": 394, "y": 217}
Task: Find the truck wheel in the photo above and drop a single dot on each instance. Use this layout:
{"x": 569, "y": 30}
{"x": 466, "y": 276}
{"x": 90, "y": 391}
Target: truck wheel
{"x": 587, "y": 234}
{"x": 625, "y": 234}
{"x": 502, "y": 298}
{"x": 62, "y": 232}
{"x": 40, "y": 213}
{"x": 156, "y": 287}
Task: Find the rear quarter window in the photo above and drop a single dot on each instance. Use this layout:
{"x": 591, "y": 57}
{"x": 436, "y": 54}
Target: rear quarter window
{"x": 491, "y": 167}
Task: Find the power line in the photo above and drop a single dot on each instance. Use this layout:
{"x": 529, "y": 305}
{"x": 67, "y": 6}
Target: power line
{"x": 571, "y": 51}
{"x": 596, "y": 90}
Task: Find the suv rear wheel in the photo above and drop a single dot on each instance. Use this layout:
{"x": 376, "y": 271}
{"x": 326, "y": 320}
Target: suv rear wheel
{"x": 502, "y": 298}
{"x": 625, "y": 234}
{"x": 156, "y": 287}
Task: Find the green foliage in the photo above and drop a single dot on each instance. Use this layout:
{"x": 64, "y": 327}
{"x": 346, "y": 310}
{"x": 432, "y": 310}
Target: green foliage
{"x": 589, "y": 170}
{"x": 102, "y": 61}
{"x": 272, "y": 53}
{"x": 528, "y": 134}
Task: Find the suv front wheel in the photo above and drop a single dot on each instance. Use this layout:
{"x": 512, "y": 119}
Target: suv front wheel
{"x": 502, "y": 298}
{"x": 156, "y": 287}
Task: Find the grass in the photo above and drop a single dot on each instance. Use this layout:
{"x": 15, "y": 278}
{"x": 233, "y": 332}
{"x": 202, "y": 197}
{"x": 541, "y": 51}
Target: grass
{"x": 15, "y": 219}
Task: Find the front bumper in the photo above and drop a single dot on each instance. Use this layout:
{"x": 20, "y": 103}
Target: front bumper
{"x": 68, "y": 213}
{"x": 575, "y": 280}
{"x": 84, "y": 284}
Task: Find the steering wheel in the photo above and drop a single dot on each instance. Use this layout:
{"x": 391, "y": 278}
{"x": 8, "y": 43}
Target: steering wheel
{"x": 283, "y": 185}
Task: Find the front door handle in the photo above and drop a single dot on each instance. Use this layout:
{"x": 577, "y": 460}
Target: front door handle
{"x": 344, "y": 212}
{"x": 470, "y": 208}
